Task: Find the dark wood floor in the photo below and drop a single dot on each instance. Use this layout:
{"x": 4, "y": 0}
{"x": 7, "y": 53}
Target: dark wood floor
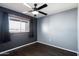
{"x": 38, "y": 49}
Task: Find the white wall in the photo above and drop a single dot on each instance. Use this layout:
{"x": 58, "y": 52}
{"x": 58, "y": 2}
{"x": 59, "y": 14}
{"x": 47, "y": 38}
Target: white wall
{"x": 59, "y": 29}
{"x": 78, "y": 29}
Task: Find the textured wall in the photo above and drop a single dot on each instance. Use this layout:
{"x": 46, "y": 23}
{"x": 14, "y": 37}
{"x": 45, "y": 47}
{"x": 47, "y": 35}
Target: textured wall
{"x": 59, "y": 29}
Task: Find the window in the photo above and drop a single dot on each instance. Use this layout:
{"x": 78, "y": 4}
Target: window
{"x": 18, "y": 26}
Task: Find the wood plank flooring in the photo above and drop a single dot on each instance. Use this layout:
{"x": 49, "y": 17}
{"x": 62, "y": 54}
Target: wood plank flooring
{"x": 39, "y": 49}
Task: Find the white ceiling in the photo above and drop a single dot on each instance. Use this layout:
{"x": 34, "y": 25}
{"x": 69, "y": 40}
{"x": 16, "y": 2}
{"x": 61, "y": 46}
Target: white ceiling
{"x": 51, "y": 9}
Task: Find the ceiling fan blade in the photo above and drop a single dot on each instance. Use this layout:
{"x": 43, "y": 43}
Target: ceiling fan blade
{"x": 27, "y": 5}
{"x": 42, "y": 12}
{"x": 43, "y": 6}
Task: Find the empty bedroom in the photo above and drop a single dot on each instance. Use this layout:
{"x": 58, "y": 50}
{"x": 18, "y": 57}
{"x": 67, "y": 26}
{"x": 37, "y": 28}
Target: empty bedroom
{"x": 38, "y": 29}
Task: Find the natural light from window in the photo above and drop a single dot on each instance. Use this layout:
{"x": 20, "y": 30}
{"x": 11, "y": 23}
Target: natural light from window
{"x": 18, "y": 26}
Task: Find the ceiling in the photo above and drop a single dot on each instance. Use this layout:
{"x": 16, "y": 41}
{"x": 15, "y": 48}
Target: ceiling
{"x": 51, "y": 9}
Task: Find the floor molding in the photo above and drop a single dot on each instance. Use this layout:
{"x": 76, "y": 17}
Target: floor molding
{"x": 17, "y": 47}
{"x": 38, "y": 42}
{"x": 58, "y": 47}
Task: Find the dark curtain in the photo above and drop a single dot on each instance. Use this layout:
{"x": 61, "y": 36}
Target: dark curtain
{"x": 33, "y": 28}
{"x": 4, "y": 27}
{"x": 31, "y": 34}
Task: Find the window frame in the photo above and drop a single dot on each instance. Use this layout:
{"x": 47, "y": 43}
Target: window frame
{"x": 20, "y": 20}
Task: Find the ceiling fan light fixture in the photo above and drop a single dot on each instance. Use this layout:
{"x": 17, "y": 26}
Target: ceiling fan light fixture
{"x": 35, "y": 12}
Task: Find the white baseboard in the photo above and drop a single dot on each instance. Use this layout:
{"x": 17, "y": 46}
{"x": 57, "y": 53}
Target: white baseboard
{"x": 38, "y": 42}
{"x": 58, "y": 47}
{"x": 17, "y": 47}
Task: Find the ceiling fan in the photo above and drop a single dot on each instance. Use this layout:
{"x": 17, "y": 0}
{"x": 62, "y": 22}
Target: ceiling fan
{"x": 36, "y": 10}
